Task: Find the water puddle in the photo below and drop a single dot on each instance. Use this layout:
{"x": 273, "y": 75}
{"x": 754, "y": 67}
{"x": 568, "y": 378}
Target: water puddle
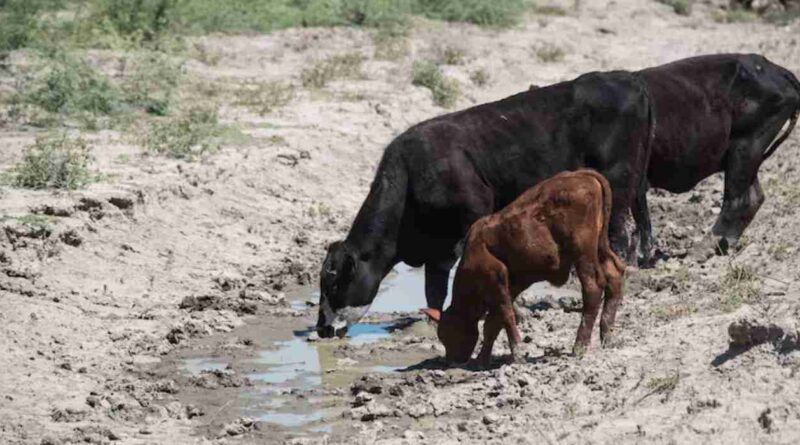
{"x": 297, "y": 364}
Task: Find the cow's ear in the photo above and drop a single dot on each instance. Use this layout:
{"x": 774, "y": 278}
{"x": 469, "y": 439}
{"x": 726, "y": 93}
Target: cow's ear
{"x": 433, "y": 314}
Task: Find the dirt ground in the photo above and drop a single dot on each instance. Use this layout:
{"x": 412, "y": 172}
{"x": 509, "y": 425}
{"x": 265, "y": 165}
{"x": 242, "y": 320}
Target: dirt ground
{"x": 91, "y": 323}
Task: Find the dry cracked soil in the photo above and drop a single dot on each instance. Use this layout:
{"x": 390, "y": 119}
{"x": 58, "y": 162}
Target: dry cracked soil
{"x": 169, "y": 302}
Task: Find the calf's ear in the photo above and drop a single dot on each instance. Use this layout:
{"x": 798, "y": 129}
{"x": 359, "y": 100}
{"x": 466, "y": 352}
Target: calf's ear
{"x": 433, "y": 314}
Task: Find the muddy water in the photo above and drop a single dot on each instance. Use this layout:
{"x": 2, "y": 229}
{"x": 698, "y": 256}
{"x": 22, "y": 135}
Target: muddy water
{"x": 282, "y": 367}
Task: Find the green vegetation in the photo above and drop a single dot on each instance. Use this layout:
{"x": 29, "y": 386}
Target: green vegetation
{"x": 333, "y": 68}
{"x": 739, "y": 285}
{"x": 159, "y": 24}
{"x": 55, "y": 161}
{"x": 681, "y": 7}
{"x": 451, "y": 55}
{"x": 187, "y": 136}
{"x": 664, "y": 385}
{"x": 152, "y": 83}
{"x": 734, "y": 16}
{"x": 264, "y": 97}
{"x": 445, "y": 90}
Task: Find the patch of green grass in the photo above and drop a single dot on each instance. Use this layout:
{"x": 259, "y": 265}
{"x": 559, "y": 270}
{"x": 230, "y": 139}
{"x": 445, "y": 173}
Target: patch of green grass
{"x": 664, "y": 385}
{"x": 739, "y": 285}
{"x": 19, "y": 21}
{"x": 495, "y": 13}
{"x": 783, "y": 18}
{"x": 333, "y": 68}
{"x": 54, "y": 162}
{"x": 187, "y": 136}
{"x": 264, "y": 97}
{"x": 550, "y": 10}
{"x": 152, "y": 83}
{"x": 549, "y": 52}
{"x": 681, "y": 7}
{"x": 446, "y": 91}
{"x": 734, "y": 16}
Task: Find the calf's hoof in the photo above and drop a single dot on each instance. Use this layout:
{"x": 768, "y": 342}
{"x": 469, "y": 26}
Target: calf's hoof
{"x": 579, "y": 351}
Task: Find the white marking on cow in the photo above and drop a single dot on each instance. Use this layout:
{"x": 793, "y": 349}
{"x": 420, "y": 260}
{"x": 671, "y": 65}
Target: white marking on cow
{"x": 344, "y": 317}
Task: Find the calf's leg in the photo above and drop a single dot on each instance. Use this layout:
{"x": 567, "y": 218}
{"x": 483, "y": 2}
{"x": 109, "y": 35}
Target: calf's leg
{"x": 592, "y": 298}
{"x": 436, "y": 277}
{"x": 613, "y": 298}
{"x": 491, "y": 328}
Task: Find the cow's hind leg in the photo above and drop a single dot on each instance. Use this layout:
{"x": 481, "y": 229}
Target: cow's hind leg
{"x": 592, "y": 299}
{"x": 612, "y": 299}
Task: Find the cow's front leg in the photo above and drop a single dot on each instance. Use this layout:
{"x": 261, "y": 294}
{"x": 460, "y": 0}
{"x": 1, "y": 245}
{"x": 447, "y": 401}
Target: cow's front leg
{"x": 641, "y": 215}
{"x": 437, "y": 275}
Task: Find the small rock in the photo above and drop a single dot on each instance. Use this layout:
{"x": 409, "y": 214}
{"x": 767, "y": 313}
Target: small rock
{"x": 490, "y": 418}
{"x": 362, "y": 398}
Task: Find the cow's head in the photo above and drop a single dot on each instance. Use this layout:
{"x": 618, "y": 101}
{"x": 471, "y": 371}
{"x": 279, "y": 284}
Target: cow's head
{"x": 458, "y": 334}
{"x": 737, "y": 213}
{"x": 347, "y": 287}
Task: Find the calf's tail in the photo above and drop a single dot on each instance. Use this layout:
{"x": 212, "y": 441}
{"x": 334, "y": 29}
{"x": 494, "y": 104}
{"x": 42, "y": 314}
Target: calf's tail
{"x": 604, "y": 248}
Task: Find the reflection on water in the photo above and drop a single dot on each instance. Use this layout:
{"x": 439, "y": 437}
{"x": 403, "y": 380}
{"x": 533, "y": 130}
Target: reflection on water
{"x": 296, "y": 364}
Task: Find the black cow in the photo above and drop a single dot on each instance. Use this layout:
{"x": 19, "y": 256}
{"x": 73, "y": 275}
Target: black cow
{"x": 441, "y": 175}
{"x": 716, "y": 113}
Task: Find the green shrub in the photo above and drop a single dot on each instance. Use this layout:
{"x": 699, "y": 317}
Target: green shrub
{"x": 188, "y": 136}
{"x": 19, "y": 21}
{"x": 739, "y": 285}
{"x": 69, "y": 85}
{"x": 152, "y": 84}
{"x": 264, "y": 97}
{"x": 56, "y": 162}
{"x": 480, "y": 77}
{"x": 445, "y": 90}
{"x": 336, "y": 67}
{"x": 138, "y": 19}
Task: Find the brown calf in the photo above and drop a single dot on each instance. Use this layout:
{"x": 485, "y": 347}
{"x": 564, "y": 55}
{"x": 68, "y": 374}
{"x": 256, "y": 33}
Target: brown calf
{"x": 560, "y": 223}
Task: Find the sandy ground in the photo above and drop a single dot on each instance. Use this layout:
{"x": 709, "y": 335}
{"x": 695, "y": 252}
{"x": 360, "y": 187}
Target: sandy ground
{"x": 91, "y": 326}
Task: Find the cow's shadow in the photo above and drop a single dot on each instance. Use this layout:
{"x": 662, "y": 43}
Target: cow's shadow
{"x": 730, "y": 354}
{"x": 473, "y": 365}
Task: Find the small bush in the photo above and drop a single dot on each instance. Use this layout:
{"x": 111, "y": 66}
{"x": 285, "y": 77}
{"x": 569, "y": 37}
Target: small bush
{"x": 138, "y": 20}
{"x": 264, "y": 97}
{"x": 445, "y": 90}
{"x": 549, "y": 53}
{"x": 152, "y": 83}
{"x": 739, "y": 285}
{"x": 187, "y": 136}
{"x": 336, "y": 67}
{"x": 681, "y": 7}
{"x": 67, "y": 86}
{"x": 479, "y": 77}
{"x": 451, "y": 55}
{"x": 57, "y": 162}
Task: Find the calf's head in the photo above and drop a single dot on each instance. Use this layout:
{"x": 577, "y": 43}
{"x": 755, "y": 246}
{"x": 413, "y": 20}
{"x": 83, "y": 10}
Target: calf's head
{"x": 347, "y": 287}
{"x": 458, "y": 334}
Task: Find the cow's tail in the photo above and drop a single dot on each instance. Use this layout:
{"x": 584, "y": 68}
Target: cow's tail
{"x": 792, "y": 120}
{"x": 604, "y": 248}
